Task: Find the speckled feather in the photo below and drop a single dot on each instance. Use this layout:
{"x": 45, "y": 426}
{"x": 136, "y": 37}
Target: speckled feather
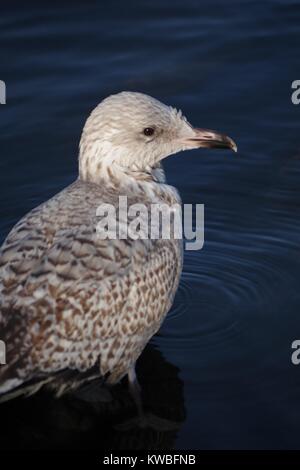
{"x": 70, "y": 301}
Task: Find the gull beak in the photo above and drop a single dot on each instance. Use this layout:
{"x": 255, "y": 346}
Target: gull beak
{"x": 210, "y": 139}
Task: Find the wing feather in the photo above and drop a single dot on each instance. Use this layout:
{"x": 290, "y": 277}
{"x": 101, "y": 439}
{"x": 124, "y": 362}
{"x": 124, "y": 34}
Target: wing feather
{"x": 69, "y": 299}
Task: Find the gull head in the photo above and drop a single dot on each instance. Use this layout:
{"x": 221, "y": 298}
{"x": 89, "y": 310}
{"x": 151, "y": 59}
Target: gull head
{"x": 133, "y": 132}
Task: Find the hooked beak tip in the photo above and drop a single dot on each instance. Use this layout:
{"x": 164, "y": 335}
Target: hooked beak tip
{"x": 212, "y": 139}
{"x": 233, "y": 146}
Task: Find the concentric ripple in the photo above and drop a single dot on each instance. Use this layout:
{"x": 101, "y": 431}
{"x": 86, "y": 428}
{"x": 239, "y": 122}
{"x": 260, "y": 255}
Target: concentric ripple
{"x": 224, "y": 286}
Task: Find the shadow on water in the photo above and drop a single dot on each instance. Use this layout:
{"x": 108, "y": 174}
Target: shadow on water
{"x": 90, "y": 417}
{"x": 229, "y": 66}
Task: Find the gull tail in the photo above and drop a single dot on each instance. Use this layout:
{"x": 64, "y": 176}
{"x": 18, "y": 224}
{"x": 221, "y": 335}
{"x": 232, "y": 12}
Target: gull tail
{"x": 59, "y": 383}
{"x": 13, "y": 388}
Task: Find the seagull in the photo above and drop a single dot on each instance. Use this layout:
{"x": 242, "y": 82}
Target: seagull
{"x": 72, "y": 302}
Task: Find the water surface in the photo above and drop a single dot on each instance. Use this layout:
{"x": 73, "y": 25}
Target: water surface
{"x": 229, "y": 66}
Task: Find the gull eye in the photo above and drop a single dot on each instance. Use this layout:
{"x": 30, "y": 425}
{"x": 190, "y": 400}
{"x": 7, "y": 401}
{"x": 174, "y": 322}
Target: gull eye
{"x": 148, "y": 131}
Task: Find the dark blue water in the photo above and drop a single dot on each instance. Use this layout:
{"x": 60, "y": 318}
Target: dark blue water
{"x": 229, "y": 65}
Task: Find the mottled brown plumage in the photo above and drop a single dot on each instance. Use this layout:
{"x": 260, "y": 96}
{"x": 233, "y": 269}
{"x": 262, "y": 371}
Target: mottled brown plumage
{"x": 70, "y": 300}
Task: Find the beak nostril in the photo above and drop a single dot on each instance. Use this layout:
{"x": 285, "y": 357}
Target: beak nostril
{"x": 212, "y": 139}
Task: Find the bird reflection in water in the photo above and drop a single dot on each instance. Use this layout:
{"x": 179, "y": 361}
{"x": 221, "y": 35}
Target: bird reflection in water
{"x": 97, "y": 417}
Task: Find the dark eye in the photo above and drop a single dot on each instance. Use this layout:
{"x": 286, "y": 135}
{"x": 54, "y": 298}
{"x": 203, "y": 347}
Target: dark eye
{"x": 148, "y": 131}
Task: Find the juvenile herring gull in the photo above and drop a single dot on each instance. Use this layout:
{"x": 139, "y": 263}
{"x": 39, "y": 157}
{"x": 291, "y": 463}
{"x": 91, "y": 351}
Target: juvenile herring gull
{"x": 71, "y": 302}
